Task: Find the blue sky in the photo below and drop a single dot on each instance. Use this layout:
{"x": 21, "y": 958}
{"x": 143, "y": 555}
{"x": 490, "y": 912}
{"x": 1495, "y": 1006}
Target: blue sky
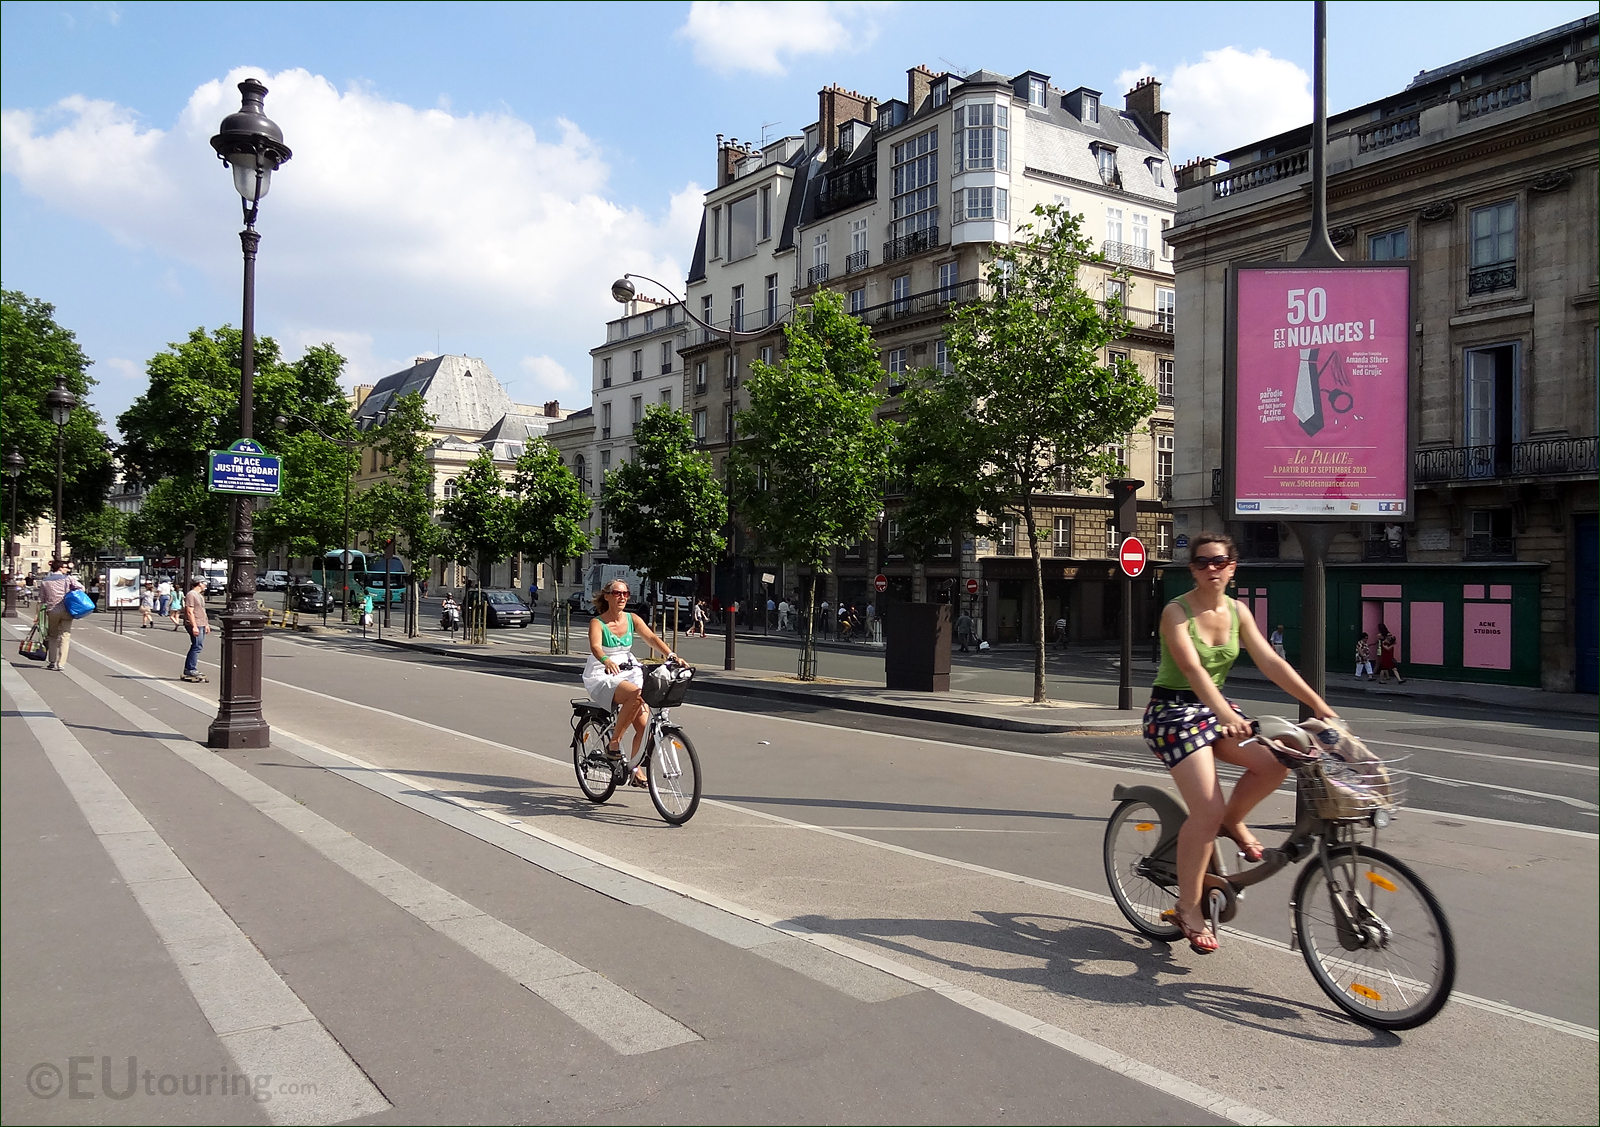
{"x": 468, "y": 178}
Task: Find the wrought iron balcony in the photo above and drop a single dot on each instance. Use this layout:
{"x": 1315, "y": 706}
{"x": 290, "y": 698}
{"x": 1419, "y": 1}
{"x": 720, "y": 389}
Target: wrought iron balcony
{"x": 929, "y": 301}
{"x": 817, "y": 274}
{"x": 917, "y": 242}
{"x": 1546, "y": 458}
{"x": 1380, "y": 550}
{"x": 1488, "y": 279}
{"x": 1166, "y": 399}
{"x": 1129, "y": 255}
{"x": 1482, "y": 546}
{"x": 856, "y": 260}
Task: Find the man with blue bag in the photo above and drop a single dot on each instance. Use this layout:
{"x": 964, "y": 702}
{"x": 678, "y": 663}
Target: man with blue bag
{"x": 56, "y": 597}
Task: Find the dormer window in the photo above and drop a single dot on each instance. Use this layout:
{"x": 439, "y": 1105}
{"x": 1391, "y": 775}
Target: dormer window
{"x": 1091, "y": 108}
{"x": 1036, "y": 92}
{"x": 1106, "y": 158}
{"x": 1156, "y": 172}
{"x": 941, "y": 92}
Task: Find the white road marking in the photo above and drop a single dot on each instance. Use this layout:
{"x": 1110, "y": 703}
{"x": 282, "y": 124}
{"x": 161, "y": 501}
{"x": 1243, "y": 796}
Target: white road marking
{"x": 1517, "y": 759}
{"x": 1576, "y": 803}
{"x": 260, "y": 1021}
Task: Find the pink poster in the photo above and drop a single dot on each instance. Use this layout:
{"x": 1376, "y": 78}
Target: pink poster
{"x": 1486, "y": 636}
{"x": 1321, "y": 358}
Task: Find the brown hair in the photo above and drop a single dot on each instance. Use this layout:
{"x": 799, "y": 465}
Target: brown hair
{"x": 1220, "y": 538}
{"x": 602, "y": 604}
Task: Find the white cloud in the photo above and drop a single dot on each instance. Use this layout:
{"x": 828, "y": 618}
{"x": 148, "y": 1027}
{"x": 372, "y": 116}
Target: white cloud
{"x": 1229, "y": 98}
{"x": 391, "y": 223}
{"x": 737, "y": 36}
{"x": 546, "y": 378}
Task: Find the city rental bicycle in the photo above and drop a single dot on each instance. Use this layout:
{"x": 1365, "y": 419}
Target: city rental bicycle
{"x": 672, "y": 769}
{"x": 1371, "y": 931}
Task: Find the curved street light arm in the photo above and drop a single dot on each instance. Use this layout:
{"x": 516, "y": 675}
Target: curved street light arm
{"x": 624, "y": 292}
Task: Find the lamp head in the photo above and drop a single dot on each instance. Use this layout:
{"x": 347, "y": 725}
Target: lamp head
{"x": 14, "y": 463}
{"x": 622, "y": 290}
{"x": 60, "y": 401}
{"x": 251, "y": 144}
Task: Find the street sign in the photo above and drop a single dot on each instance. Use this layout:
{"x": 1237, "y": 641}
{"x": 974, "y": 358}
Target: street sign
{"x": 880, "y": 583}
{"x": 243, "y": 468}
{"x": 972, "y": 586}
{"x": 1132, "y": 557}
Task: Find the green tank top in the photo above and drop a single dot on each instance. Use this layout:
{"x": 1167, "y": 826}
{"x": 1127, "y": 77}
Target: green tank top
{"x": 1215, "y": 660}
{"x": 609, "y": 641}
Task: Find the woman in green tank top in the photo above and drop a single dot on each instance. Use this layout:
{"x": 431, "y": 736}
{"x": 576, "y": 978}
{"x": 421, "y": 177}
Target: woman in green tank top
{"x": 611, "y": 676}
{"x": 1190, "y": 724}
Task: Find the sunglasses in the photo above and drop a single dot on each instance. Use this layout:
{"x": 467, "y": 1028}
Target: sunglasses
{"x": 624, "y": 594}
{"x": 1210, "y": 562}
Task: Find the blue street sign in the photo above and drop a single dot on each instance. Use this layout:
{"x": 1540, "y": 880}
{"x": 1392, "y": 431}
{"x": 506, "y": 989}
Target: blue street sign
{"x": 243, "y": 468}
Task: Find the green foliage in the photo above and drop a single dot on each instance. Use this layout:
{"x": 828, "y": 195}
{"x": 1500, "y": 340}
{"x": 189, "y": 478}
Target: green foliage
{"x": 402, "y": 504}
{"x": 169, "y": 506}
{"x": 1032, "y": 395}
{"x": 548, "y": 507}
{"x": 95, "y": 533}
{"x": 191, "y": 407}
{"x": 34, "y": 350}
{"x": 480, "y": 518}
{"x": 307, "y": 518}
{"x": 809, "y": 478}
{"x": 665, "y": 506}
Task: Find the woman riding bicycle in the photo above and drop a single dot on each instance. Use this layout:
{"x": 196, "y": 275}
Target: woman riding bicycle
{"x": 611, "y": 676}
{"x": 1189, "y": 724}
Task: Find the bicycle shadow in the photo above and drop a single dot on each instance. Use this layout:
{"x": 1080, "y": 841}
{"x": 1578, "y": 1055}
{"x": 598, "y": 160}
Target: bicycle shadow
{"x": 1092, "y": 962}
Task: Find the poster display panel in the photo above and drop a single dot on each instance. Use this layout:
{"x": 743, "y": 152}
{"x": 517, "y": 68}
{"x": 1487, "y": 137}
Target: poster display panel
{"x": 1319, "y": 386}
{"x": 121, "y": 587}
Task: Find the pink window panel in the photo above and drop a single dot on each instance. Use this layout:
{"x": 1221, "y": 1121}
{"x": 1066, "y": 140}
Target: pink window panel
{"x": 1500, "y": 591}
{"x": 1427, "y": 634}
{"x": 1472, "y": 591}
{"x": 1486, "y": 636}
{"x": 1380, "y": 590}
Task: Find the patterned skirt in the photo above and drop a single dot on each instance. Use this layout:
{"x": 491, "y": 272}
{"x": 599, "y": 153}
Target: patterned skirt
{"x": 1177, "y": 724}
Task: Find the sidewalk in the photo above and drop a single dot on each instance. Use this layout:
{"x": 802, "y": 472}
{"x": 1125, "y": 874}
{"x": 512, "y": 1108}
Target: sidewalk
{"x": 529, "y": 649}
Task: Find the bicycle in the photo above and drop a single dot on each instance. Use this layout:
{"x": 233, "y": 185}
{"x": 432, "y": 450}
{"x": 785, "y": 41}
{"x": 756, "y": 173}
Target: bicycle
{"x": 1371, "y": 932}
{"x": 672, "y": 769}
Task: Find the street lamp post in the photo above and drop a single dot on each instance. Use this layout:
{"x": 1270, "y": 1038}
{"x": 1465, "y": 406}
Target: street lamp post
{"x": 14, "y": 464}
{"x": 623, "y": 291}
{"x": 61, "y": 402}
{"x": 251, "y": 145}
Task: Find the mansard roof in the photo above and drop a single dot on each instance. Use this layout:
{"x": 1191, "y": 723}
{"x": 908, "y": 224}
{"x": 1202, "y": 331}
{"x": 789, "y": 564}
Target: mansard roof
{"x": 460, "y": 391}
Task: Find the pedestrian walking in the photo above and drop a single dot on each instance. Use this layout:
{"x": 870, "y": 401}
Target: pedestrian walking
{"x": 53, "y": 590}
{"x": 366, "y": 609}
{"x": 1277, "y": 641}
{"x": 784, "y": 610}
{"x": 175, "y": 607}
{"x": 193, "y": 609}
{"x": 1388, "y": 656}
{"x": 147, "y": 603}
{"x": 1061, "y": 631}
{"x": 772, "y": 612}
{"x": 164, "y": 597}
{"x": 964, "y": 630}
{"x": 1363, "y": 658}
{"x": 697, "y": 624}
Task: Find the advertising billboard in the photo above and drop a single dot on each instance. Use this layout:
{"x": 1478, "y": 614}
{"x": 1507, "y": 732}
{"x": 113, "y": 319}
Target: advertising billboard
{"x": 1318, "y": 392}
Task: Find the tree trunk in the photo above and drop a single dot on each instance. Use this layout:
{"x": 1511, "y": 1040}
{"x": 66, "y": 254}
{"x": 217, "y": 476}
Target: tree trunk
{"x": 808, "y": 658}
{"x": 1038, "y": 604}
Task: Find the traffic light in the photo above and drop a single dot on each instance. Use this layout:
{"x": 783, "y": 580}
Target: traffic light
{"x": 1125, "y": 504}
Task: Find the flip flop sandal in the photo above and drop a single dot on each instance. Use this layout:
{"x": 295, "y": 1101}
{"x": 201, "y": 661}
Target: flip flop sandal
{"x": 635, "y": 781}
{"x": 1253, "y": 851}
{"x": 1193, "y": 934}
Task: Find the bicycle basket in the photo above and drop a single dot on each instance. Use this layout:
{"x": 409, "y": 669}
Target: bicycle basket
{"x": 666, "y": 685}
{"x": 1346, "y": 780}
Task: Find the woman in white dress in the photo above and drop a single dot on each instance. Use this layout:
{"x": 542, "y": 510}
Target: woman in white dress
{"x": 611, "y": 676}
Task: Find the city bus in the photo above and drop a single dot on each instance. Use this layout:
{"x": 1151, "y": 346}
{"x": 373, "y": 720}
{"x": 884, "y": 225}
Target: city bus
{"x": 367, "y": 577}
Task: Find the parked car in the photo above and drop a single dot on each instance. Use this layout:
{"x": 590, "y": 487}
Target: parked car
{"x": 578, "y": 602}
{"x": 273, "y": 581}
{"x": 505, "y": 608}
{"x": 309, "y": 597}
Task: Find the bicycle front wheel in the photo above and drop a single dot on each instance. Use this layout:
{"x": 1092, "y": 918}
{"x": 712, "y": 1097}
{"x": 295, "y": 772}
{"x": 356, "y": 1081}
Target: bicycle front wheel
{"x": 674, "y": 777}
{"x": 1142, "y": 887}
{"x": 1375, "y": 938}
{"x": 596, "y": 778}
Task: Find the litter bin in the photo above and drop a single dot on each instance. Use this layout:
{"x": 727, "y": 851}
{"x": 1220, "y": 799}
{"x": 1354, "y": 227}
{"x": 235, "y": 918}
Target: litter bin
{"x": 916, "y": 653}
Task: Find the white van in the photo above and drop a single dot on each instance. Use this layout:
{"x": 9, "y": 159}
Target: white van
{"x": 215, "y": 573}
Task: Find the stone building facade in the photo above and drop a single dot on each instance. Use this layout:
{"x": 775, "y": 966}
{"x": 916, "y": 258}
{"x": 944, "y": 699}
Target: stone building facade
{"x": 1482, "y": 174}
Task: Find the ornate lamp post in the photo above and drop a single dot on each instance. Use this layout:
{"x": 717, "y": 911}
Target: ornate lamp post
{"x": 251, "y": 145}
{"x": 14, "y": 464}
{"x": 623, "y": 291}
{"x": 61, "y": 402}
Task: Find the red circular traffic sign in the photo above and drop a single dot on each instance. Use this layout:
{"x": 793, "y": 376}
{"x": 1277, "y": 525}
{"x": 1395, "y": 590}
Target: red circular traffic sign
{"x": 972, "y": 586}
{"x": 880, "y": 582}
{"x": 1132, "y": 557}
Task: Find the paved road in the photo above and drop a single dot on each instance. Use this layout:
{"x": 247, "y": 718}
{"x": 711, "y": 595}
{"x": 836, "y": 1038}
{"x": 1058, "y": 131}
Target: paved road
{"x": 946, "y": 897}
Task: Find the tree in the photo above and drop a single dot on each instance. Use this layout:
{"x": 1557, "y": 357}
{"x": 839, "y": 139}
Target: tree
{"x": 1034, "y": 398}
{"x": 34, "y": 350}
{"x": 98, "y": 532}
{"x": 480, "y": 517}
{"x": 665, "y": 506}
{"x": 548, "y": 509}
{"x": 809, "y": 477}
{"x": 402, "y": 504}
{"x": 308, "y": 515}
{"x": 191, "y": 407}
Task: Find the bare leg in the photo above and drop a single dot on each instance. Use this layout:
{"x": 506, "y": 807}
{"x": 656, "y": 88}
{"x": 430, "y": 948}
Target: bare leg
{"x": 1196, "y": 777}
{"x": 628, "y": 701}
{"x": 1262, "y": 775}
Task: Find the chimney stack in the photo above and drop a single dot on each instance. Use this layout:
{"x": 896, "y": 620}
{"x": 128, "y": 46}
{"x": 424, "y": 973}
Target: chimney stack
{"x": 1196, "y": 171}
{"x": 552, "y": 409}
{"x": 1144, "y": 103}
{"x": 919, "y": 86}
{"x": 835, "y": 106}
{"x": 728, "y": 157}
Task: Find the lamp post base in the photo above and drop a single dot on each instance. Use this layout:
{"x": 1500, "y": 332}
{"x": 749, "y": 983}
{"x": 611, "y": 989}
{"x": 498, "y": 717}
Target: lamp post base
{"x": 239, "y": 722}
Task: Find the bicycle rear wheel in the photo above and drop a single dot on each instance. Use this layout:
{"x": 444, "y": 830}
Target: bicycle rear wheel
{"x": 1375, "y": 939}
{"x": 674, "y": 777}
{"x": 1143, "y": 889}
{"x": 596, "y": 778}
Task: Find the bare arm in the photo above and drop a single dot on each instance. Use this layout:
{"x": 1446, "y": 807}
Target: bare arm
{"x": 1175, "y": 633}
{"x": 594, "y": 646}
{"x": 1279, "y": 671}
{"x": 651, "y": 637}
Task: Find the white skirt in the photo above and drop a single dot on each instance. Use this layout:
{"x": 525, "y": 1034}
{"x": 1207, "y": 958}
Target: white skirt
{"x": 602, "y": 686}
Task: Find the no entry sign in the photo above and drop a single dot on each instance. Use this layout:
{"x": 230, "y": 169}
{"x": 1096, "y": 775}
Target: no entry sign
{"x": 972, "y": 586}
{"x": 1132, "y": 557}
{"x": 880, "y": 582}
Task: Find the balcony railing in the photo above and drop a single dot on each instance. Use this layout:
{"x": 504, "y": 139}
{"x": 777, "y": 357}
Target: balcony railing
{"x": 749, "y": 323}
{"x": 1481, "y": 546}
{"x": 856, "y": 260}
{"x": 1262, "y": 172}
{"x": 929, "y": 301}
{"x": 1389, "y": 132}
{"x": 1164, "y": 490}
{"x": 817, "y": 274}
{"x": 1166, "y": 399}
{"x": 1059, "y": 550}
{"x": 1157, "y": 320}
{"x": 1488, "y": 279}
{"x": 1550, "y": 457}
{"x": 666, "y": 369}
{"x": 1483, "y": 102}
{"x": 1380, "y": 550}
{"x": 1127, "y": 254}
{"x": 916, "y": 242}
{"x": 638, "y": 374}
